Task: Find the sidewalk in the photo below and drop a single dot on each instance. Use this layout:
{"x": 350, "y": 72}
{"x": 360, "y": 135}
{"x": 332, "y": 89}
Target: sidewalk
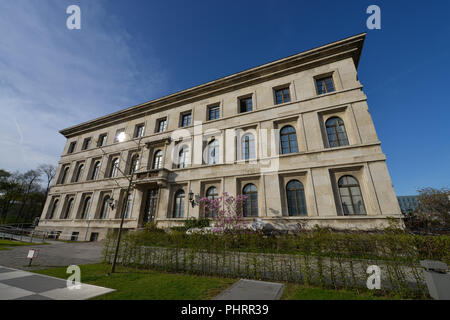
{"x": 21, "y": 285}
{"x": 252, "y": 290}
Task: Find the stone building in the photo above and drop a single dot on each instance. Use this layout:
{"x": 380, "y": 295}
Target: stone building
{"x": 294, "y": 135}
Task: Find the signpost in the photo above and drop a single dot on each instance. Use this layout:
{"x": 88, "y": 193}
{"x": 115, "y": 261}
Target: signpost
{"x": 32, "y": 254}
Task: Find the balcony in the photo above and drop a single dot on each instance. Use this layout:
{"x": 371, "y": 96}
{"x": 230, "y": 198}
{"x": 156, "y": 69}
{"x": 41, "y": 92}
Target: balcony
{"x": 153, "y": 176}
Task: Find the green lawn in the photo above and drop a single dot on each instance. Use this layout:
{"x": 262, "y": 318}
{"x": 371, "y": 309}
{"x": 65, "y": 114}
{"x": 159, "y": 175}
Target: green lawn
{"x": 135, "y": 284}
{"x": 4, "y": 244}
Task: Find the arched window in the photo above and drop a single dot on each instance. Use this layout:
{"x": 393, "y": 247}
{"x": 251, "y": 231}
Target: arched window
{"x": 86, "y": 208}
{"x": 69, "y": 208}
{"x": 134, "y": 165}
{"x": 79, "y": 172}
{"x": 157, "y": 160}
{"x": 64, "y": 175}
{"x": 178, "y": 208}
{"x": 251, "y": 203}
{"x": 114, "y": 168}
{"x": 296, "y": 198}
{"x": 95, "y": 170}
{"x": 337, "y": 136}
{"x": 54, "y": 207}
{"x": 211, "y": 194}
{"x": 213, "y": 152}
{"x": 128, "y": 206}
{"x": 248, "y": 147}
{"x": 105, "y": 208}
{"x": 183, "y": 157}
{"x": 288, "y": 139}
{"x": 351, "y": 197}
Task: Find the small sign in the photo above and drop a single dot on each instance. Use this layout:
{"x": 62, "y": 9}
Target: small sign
{"x": 32, "y": 253}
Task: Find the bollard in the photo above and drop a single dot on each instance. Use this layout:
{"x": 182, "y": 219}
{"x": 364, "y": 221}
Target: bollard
{"x": 437, "y": 279}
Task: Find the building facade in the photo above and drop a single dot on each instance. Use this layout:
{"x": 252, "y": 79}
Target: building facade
{"x": 294, "y": 135}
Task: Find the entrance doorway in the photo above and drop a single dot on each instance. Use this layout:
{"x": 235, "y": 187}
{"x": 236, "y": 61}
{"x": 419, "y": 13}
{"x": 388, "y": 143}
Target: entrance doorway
{"x": 150, "y": 205}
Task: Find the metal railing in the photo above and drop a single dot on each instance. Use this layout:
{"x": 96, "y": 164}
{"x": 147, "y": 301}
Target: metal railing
{"x": 27, "y": 234}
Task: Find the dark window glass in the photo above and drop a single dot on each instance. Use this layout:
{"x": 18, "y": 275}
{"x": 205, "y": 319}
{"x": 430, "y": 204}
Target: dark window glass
{"x": 72, "y": 147}
{"x": 86, "y": 207}
{"x": 186, "y": 119}
{"x": 324, "y": 85}
{"x": 178, "y": 208}
{"x": 213, "y": 152}
{"x": 128, "y": 206}
{"x": 105, "y": 208}
{"x": 183, "y": 157}
{"x": 162, "y": 125}
{"x": 248, "y": 147}
{"x": 351, "y": 197}
{"x": 288, "y": 139}
{"x": 86, "y": 143}
{"x": 157, "y": 160}
{"x": 95, "y": 170}
{"x": 213, "y": 113}
{"x": 69, "y": 208}
{"x": 79, "y": 172}
{"x": 337, "y": 137}
{"x": 53, "y": 210}
{"x": 134, "y": 165}
{"x": 282, "y": 96}
{"x": 245, "y": 104}
{"x": 139, "y": 131}
{"x": 251, "y": 203}
{"x": 211, "y": 194}
{"x": 102, "y": 140}
{"x": 64, "y": 175}
{"x": 114, "y": 167}
{"x": 296, "y": 198}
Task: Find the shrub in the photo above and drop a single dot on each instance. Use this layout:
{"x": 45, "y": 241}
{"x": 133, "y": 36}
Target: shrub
{"x": 196, "y": 223}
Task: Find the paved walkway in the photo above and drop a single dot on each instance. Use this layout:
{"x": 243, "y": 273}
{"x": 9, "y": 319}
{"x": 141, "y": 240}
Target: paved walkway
{"x": 252, "y": 290}
{"x": 21, "y": 285}
{"x": 54, "y": 254}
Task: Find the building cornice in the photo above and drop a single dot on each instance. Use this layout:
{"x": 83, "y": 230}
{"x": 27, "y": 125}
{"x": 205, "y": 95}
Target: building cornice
{"x": 350, "y": 47}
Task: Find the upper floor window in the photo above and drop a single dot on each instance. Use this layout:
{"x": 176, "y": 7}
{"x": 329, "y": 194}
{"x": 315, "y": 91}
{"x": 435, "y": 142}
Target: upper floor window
{"x": 325, "y": 85}
{"x": 282, "y": 95}
{"x": 351, "y": 197}
{"x": 213, "y": 152}
{"x": 157, "y": 160}
{"x": 245, "y": 104}
{"x": 64, "y": 175}
{"x": 105, "y": 208}
{"x": 79, "y": 173}
{"x": 213, "y": 112}
{"x": 178, "y": 208}
{"x": 251, "y": 203}
{"x": 288, "y": 139}
{"x": 296, "y": 198}
{"x": 186, "y": 119}
{"x": 134, "y": 165}
{"x": 72, "y": 147}
{"x": 102, "y": 140}
{"x": 183, "y": 157}
{"x": 68, "y": 208}
{"x": 86, "y": 144}
{"x": 139, "y": 131}
{"x": 161, "y": 125}
{"x": 95, "y": 170}
{"x": 53, "y": 209}
{"x": 114, "y": 167}
{"x": 119, "y": 135}
{"x": 86, "y": 208}
{"x": 337, "y": 136}
{"x": 248, "y": 147}
{"x": 128, "y": 206}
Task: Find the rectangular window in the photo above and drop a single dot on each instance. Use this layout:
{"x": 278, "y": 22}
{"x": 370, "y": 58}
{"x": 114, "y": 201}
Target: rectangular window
{"x": 119, "y": 135}
{"x": 72, "y": 147}
{"x": 213, "y": 112}
{"x": 74, "y": 236}
{"x": 282, "y": 96}
{"x": 162, "y": 125}
{"x": 86, "y": 143}
{"x": 186, "y": 119}
{"x": 139, "y": 131}
{"x": 245, "y": 104}
{"x": 102, "y": 140}
{"x": 325, "y": 85}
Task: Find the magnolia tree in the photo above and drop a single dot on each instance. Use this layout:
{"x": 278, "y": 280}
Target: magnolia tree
{"x": 226, "y": 210}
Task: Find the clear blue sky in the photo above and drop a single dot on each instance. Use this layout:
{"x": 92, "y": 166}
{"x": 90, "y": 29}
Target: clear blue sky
{"x": 132, "y": 51}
